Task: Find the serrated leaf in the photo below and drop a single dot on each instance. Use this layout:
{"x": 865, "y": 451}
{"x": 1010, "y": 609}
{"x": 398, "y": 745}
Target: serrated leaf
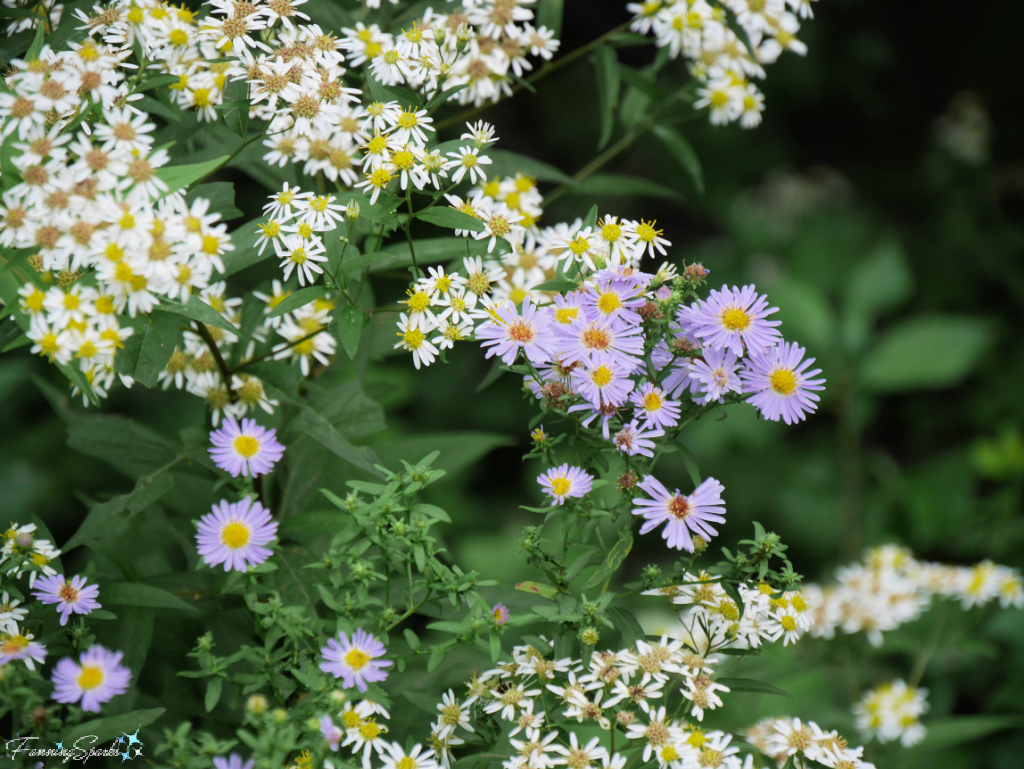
{"x": 137, "y": 594}
{"x": 176, "y": 177}
{"x": 444, "y": 216}
{"x": 753, "y": 685}
{"x": 196, "y": 309}
{"x": 613, "y": 560}
{"x": 298, "y": 299}
{"x": 538, "y": 588}
{"x": 683, "y": 152}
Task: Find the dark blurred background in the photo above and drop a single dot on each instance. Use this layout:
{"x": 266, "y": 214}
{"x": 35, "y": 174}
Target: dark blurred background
{"x": 881, "y": 207}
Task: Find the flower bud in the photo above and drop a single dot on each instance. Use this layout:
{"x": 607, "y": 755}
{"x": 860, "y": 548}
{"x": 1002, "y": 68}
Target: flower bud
{"x": 352, "y": 211}
{"x": 440, "y": 35}
{"x": 699, "y": 545}
{"x": 257, "y": 705}
{"x": 589, "y": 636}
{"x": 500, "y": 614}
{"x": 280, "y": 715}
{"x": 338, "y": 697}
{"x": 462, "y": 37}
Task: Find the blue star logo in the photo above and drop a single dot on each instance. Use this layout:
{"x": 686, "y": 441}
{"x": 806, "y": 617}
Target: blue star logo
{"x": 60, "y": 745}
{"x": 133, "y": 738}
{"x": 125, "y": 757}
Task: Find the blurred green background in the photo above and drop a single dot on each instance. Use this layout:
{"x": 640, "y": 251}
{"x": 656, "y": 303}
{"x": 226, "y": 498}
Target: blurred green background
{"x": 881, "y": 207}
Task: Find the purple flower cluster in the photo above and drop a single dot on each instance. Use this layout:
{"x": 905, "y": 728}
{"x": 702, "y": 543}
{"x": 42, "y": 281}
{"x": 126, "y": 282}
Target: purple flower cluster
{"x": 590, "y": 343}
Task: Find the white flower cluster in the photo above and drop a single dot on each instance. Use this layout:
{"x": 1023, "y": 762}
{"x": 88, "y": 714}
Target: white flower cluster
{"x": 891, "y": 712}
{"x": 891, "y": 588}
{"x": 714, "y": 621}
{"x": 807, "y": 744}
{"x": 53, "y": 12}
{"x": 175, "y": 40}
{"x": 723, "y": 62}
{"x": 105, "y": 237}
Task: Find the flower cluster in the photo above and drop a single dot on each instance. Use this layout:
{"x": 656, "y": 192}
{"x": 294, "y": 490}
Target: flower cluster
{"x": 724, "y": 62}
{"x": 891, "y": 588}
{"x": 805, "y": 743}
{"x": 891, "y": 712}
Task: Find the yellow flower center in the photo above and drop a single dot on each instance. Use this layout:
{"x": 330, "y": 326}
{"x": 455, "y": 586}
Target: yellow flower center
{"x": 246, "y": 445}
{"x": 735, "y": 319}
{"x": 601, "y": 376}
{"x": 413, "y": 338}
{"x": 788, "y": 623}
{"x": 783, "y": 381}
{"x": 609, "y": 303}
{"x": 235, "y": 535}
{"x": 566, "y": 314}
{"x": 357, "y": 659}
{"x": 90, "y": 677}
{"x": 611, "y": 232}
{"x": 652, "y": 401}
{"x": 560, "y": 486}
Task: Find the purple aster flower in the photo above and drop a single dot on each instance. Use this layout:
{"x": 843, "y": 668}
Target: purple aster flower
{"x": 96, "y": 678}
{"x": 567, "y": 307}
{"x": 565, "y": 481}
{"x": 614, "y": 299}
{"x": 629, "y": 275}
{"x": 74, "y": 596}
{"x": 681, "y": 514}
{"x": 585, "y": 337}
{"x": 500, "y": 614}
{"x": 20, "y": 646}
{"x": 781, "y": 384}
{"x": 246, "y": 449}
{"x": 512, "y": 331}
{"x": 732, "y": 319}
{"x": 234, "y": 761}
{"x": 632, "y": 440}
{"x": 654, "y": 407}
{"x": 355, "y": 661}
{"x": 235, "y": 534}
{"x": 331, "y": 732}
{"x": 603, "y": 380}
{"x": 717, "y": 372}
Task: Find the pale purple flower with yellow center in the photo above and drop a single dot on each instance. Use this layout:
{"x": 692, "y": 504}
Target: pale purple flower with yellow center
{"x": 18, "y": 645}
{"x": 355, "y": 661}
{"x": 632, "y": 440}
{"x": 97, "y": 677}
{"x": 511, "y": 330}
{"x": 733, "y": 319}
{"x": 562, "y": 482}
{"x": 71, "y": 597}
{"x": 236, "y": 534}
{"x": 246, "y": 448}
{"x": 681, "y": 514}
{"x": 781, "y": 384}
{"x": 603, "y": 380}
{"x": 500, "y": 614}
{"x": 585, "y": 336}
{"x": 614, "y": 299}
{"x": 331, "y": 732}
{"x": 654, "y": 407}
{"x": 717, "y": 371}
{"x": 234, "y": 761}
{"x": 606, "y": 411}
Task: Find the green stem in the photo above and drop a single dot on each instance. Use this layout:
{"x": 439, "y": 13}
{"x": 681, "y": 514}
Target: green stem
{"x": 616, "y": 149}
{"x": 416, "y": 273}
{"x": 222, "y": 366}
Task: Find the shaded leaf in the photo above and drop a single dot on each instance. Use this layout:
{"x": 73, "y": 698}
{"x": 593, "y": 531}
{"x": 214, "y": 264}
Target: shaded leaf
{"x": 298, "y": 299}
{"x": 683, "y": 152}
{"x": 176, "y": 177}
{"x": 444, "y": 216}
{"x": 137, "y": 594}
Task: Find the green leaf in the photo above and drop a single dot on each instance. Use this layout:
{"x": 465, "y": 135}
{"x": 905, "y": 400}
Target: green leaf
{"x": 613, "y": 560}
{"x": 213, "y": 689}
{"x": 683, "y": 152}
{"x": 322, "y": 431}
{"x": 432, "y": 511}
{"x": 437, "y": 655}
{"x": 752, "y": 685}
{"x": 495, "y": 643}
{"x": 412, "y": 639}
{"x": 161, "y": 335}
{"x": 368, "y": 260}
{"x": 591, "y": 218}
{"x": 505, "y": 163}
{"x": 246, "y": 241}
{"x": 690, "y": 461}
{"x": 626, "y": 624}
{"x": 350, "y": 329}
{"x": 298, "y": 299}
{"x": 538, "y": 588}
{"x": 386, "y": 93}
{"x": 196, "y": 309}
{"x": 624, "y": 186}
{"x": 176, "y": 177}
{"x": 925, "y": 352}
{"x": 561, "y": 285}
{"x": 444, "y": 216}
{"x": 945, "y": 733}
{"x": 137, "y": 594}
{"x": 128, "y": 446}
{"x": 221, "y": 196}
{"x": 106, "y": 729}
{"x": 458, "y": 449}
{"x": 549, "y": 14}
{"x": 606, "y": 61}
